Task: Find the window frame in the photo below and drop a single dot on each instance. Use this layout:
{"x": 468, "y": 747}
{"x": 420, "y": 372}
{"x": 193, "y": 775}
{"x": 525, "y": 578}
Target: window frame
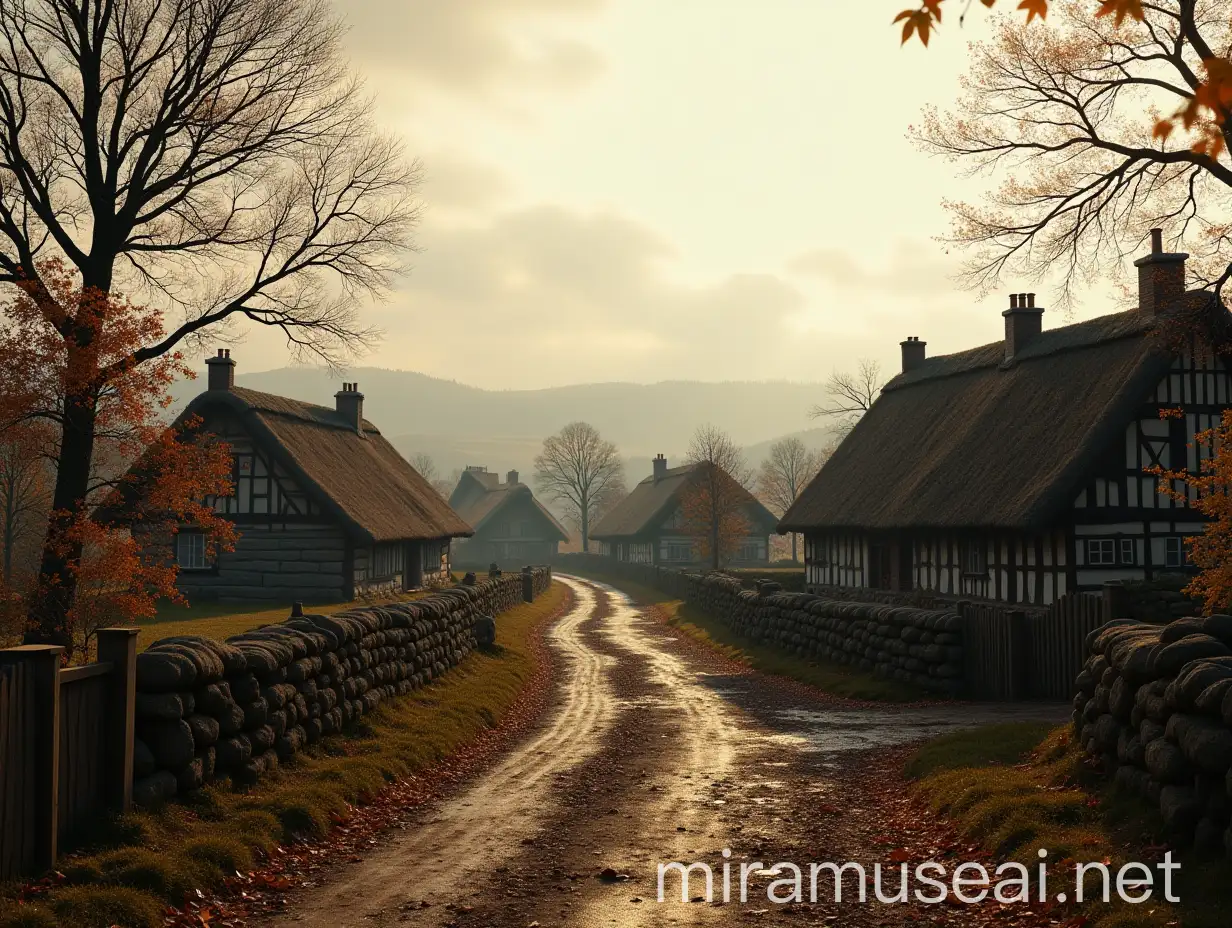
{"x": 1182, "y": 553}
{"x": 974, "y": 556}
{"x": 199, "y": 548}
{"x": 1093, "y": 560}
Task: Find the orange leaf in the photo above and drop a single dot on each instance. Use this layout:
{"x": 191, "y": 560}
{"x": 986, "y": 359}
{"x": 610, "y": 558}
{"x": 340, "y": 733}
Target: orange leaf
{"x": 1120, "y": 9}
{"x": 915, "y": 21}
{"x": 1034, "y": 8}
{"x": 1163, "y": 129}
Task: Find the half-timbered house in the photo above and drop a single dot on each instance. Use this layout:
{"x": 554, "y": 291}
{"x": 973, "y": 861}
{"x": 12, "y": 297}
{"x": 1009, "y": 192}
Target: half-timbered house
{"x": 1018, "y": 471}
{"x": 511, "y": 527}
{"x": 648, "y": 526}
{"x": 325, "y": 507}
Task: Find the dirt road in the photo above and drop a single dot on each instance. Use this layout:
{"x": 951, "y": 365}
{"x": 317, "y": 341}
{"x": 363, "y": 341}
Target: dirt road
{"x": 655, "y": 750}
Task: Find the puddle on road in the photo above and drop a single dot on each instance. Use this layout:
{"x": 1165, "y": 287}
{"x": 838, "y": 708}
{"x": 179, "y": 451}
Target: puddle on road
{"x": 830, "y": 731}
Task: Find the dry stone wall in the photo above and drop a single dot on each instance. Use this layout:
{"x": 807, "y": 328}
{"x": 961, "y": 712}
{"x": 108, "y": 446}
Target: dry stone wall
{"x": 209, "y": 709}
{"x": 1154, "y": 705}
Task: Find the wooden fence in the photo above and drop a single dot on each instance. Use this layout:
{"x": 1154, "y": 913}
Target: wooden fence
{"x": 66, "y": 746}
{"x": 1015, "y": 654}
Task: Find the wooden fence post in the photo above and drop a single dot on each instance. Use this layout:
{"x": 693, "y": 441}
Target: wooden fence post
{"x": 118, "y": 647}
{"x": 528, "y": 584}
{"x": 1019, "y": 656}
{"x": 1116, "y": 600}
{"x": 42, "y": 663}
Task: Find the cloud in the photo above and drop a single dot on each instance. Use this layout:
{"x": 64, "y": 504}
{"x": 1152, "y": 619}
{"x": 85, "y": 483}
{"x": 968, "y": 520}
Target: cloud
{"x": 471, "y": 46}
{"x": 546, "y": 295}
{"x": 911, "y": 270}
{"x": 456, "y": 183}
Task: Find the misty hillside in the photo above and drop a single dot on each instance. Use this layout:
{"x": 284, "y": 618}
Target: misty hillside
{"x": 503, "y": 429}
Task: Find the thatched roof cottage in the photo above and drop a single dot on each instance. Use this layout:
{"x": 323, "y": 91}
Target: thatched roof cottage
{"x": 1015, "y": 471}
{"x": 326, "y": 508}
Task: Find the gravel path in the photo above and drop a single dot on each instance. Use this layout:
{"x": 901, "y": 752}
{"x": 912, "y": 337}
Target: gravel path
{"x": 656, "y": 749}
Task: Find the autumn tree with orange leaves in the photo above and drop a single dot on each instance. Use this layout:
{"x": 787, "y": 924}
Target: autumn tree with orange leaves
{"x": 166, "y": 171}
{"x": 714, "y": 502}
{"x": 1209, "y": 492}
{"x": 118, "y": 563}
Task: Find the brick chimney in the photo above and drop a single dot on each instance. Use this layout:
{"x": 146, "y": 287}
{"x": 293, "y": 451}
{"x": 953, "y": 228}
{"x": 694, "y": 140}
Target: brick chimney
{"x": 350, "y": 405}
{"x": 511, "y": 478}
{"x": 221, "y": 370}
{"x": 1023, "y": 321}
{"x": 913, "y": 352}
{"x": 1161, "y": 277}
{"x": 660, "y": 467}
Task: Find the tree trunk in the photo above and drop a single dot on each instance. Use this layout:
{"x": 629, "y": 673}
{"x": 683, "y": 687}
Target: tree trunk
{"x": 57, "y": 584}
{"x": 585, "y": 528}
{"x": 794, "y": 558}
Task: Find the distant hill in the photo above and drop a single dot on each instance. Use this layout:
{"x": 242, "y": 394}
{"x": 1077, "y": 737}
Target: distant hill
{"x": 460, "y": 425}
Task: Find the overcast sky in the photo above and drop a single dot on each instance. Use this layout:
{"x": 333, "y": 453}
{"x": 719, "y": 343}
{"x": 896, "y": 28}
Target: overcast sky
{"x": 645, "y": 190}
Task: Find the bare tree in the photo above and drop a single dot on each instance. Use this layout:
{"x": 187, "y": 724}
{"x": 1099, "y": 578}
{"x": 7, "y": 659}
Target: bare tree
{"x": 1069, "y": 118}
{"x": 716, "y": 498}
{"x": 582, "y": 472}
{"x": 425, "y": 465}
{"x": 214, "y": 160}
{"x": 851, "y": 395}
{"x": 784, "y": 474}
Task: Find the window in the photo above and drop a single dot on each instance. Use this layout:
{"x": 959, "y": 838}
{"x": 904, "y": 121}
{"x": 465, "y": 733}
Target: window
{"x": 1127, "y": 552}
{"x": 973, "y": 560}
{"x": 1175, "y": 554}
{"x": 677, "y": 551}
{"x": 190, "y": 551}
{"x": 749, "y": 551}
{"x": 1101, "y": 552}
{"x": 387, "y": 560}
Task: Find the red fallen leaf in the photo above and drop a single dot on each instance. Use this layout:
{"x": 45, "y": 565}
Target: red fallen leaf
{"x": 901, "y": 855}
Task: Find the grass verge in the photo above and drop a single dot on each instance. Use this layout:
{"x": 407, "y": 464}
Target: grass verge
{"x": 221, "y": 620}
{"x": 1016, "y": 788}
{"x": 145, "y": 859}
{"x": 829, "y": 677}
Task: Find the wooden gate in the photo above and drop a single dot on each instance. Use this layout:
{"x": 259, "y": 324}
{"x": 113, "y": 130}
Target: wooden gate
{"x": 66, "y": 746}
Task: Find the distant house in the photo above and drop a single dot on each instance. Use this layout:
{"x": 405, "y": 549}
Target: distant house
{"x": 511, "y": 527}
{"x": 326, "y": 509}
{"x": 648, "y": 526}
{"x": 1014, "y": 471}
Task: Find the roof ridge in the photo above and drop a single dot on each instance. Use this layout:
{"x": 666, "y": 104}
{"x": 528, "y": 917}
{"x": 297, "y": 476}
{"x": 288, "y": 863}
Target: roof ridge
{"x": 1086, "y": 333}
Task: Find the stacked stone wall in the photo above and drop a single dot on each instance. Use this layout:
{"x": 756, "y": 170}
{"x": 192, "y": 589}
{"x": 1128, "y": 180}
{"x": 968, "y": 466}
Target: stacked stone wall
{"x": 1154, "y": 707}
{"x": 208, "y": 709}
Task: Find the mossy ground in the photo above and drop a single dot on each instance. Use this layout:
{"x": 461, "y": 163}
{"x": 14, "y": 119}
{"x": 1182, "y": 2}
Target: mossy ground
{"x": 133, "y": 865}
{"x": 1016, "y": 788}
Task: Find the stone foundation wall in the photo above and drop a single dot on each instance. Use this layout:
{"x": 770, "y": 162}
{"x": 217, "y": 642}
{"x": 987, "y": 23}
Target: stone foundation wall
{"x": 209, "y": 709}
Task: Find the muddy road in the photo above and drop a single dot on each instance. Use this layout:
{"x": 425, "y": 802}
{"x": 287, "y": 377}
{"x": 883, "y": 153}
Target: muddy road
{"x": 655, "y": 750}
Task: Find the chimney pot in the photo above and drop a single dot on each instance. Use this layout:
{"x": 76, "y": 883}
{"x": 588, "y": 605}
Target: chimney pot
{"x": 349, "y": 403}
{"x": 511, "y": 478}
{"x": 914, "y": 352}
{"x": 1023, "y": 321}
{"x": 220, "y": 371}
{"x": 1161, "y": 277}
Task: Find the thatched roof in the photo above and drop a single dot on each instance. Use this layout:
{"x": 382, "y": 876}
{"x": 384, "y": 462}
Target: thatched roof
{"x": 969, "y": 440}
{"x": 651, "y": 501}
{"x": 366, "y": 483}
{"x": 478, "y": 509}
